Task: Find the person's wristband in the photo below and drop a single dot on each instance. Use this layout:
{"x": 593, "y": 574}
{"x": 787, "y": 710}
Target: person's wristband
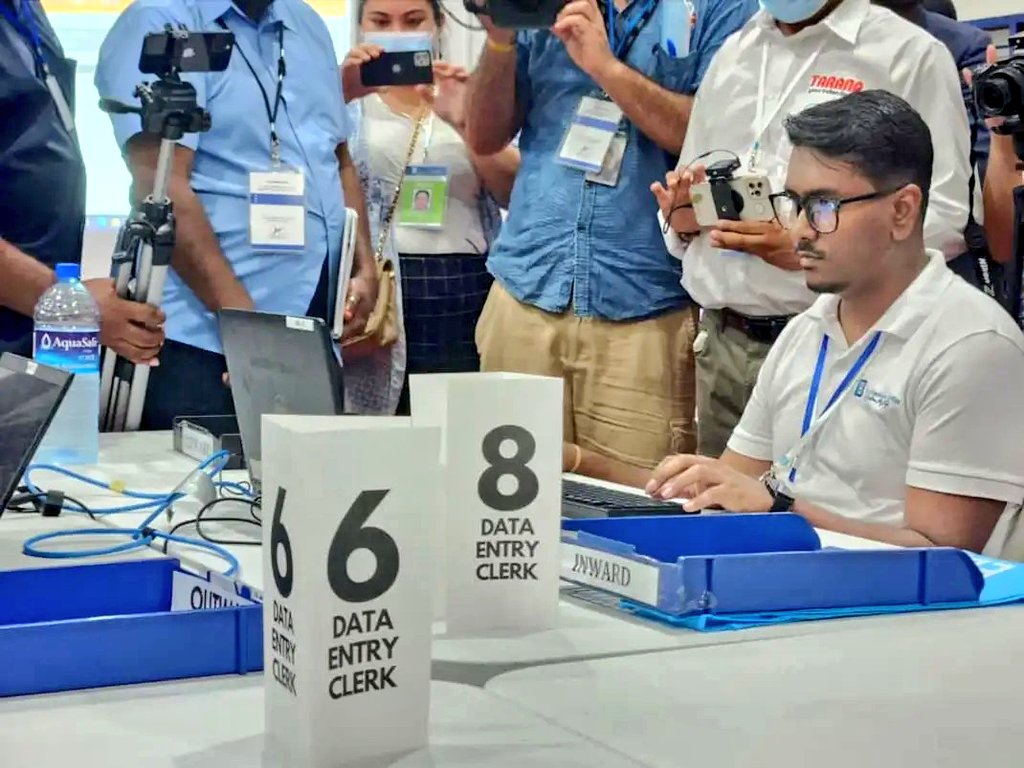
{"x": 500, "y": 47}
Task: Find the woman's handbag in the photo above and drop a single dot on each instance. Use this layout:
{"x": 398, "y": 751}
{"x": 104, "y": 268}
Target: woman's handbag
{"x": 381, "y": 329}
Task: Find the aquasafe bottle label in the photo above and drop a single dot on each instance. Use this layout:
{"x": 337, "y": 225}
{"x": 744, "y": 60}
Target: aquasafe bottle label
{"x": 73, "y": 351}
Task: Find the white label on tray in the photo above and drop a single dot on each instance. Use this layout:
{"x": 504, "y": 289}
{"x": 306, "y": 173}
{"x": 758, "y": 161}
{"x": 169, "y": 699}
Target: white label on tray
{"x": 612, "y": 573}
{"x": 191, "y": 593}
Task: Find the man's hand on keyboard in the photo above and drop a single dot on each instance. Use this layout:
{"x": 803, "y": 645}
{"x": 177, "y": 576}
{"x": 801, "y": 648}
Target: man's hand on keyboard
{"x": 708, "y": 484}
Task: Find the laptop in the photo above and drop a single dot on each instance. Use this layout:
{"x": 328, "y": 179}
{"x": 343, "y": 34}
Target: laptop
{"x": 30, "y": 395}
{"x": 278, "y": 364}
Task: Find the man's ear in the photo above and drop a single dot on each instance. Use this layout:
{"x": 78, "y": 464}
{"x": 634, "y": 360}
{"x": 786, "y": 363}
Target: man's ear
{"x": 906, "y": 212}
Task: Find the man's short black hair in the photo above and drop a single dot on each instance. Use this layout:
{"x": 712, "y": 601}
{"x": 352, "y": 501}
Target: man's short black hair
{"x": 876, "y": 132}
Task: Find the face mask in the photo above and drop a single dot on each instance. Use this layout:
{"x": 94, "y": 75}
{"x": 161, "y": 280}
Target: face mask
{"x": 792, "y": 11}
{"x": 396, "y": 42}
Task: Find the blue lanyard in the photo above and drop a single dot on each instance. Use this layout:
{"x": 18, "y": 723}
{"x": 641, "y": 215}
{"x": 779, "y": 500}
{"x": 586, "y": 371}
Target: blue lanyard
{"x": 24, "y": 23}
{"x": 621, "y": 47}
{"x": 819, "y": 371}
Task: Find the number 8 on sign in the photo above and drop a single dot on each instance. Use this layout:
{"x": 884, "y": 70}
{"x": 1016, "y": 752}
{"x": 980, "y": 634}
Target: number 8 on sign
{"x": 515, "y": 466}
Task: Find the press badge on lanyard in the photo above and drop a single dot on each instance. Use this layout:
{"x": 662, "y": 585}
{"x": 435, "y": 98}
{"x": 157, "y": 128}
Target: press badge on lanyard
{"x": 25, "y": 24}
{"x": 597, "y": 139}
{"x": 277, "y": 195}
{"x": 423, "y": 198}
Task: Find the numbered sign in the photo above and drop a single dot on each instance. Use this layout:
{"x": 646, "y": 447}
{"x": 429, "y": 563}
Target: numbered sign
{"x": 347, "y": 623}
{"x": 502, "y": 465}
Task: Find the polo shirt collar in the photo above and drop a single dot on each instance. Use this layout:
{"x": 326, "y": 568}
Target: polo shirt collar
{"x": 845, "y": 21}
{"x": 907, "y": 313}
{"x": 277, "y": 11}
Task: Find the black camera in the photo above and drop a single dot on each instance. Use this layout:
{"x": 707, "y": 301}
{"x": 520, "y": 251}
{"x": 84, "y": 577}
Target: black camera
{"x": 518, "y": 14}
{"x": 999, "y": 88}
{"x": 167, "y": 53}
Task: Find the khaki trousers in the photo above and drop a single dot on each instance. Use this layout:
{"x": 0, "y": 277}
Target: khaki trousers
{"x": 629, "y": 386}
{"x": 728, "y": 362}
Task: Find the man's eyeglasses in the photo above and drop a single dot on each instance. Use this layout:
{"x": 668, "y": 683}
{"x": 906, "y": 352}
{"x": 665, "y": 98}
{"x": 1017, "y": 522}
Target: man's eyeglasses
{"x": 822, "y": 210}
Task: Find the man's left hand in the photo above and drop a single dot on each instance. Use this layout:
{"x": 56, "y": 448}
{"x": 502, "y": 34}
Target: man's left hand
{"x": 362, "y": 296}
{"x": 708, "y": 483}
{"x": 581, "y": 29}
{"x": 767, "y": 240}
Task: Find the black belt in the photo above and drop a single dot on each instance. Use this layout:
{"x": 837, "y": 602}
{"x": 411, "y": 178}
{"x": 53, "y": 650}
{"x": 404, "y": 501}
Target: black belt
{"x": 764, "y": 330}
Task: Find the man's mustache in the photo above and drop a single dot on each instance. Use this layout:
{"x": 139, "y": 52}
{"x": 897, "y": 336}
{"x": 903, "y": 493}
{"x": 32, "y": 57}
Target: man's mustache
{"x": 806, "y": 248}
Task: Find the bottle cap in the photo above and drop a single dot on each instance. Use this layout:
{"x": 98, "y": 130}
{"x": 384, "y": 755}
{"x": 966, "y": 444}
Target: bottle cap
{"x": 67, "y": 273}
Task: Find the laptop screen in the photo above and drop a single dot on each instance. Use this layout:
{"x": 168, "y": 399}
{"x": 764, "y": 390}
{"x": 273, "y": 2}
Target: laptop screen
{"x": 29, "y": 397}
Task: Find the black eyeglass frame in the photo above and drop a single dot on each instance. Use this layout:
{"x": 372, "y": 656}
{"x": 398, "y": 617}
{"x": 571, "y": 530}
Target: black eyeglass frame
{"x": 837, "y": 203}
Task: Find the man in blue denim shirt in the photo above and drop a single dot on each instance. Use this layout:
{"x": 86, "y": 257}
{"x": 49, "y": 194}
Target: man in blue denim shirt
{"x": 584, "y": 289}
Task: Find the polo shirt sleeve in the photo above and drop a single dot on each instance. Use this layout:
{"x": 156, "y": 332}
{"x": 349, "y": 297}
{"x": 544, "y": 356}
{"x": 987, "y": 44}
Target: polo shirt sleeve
{"x": 968, "y": 421}
{"x": 117, "y": 67}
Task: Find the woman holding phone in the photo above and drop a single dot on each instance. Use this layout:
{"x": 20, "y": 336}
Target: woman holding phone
{"x": 437, "y": 202}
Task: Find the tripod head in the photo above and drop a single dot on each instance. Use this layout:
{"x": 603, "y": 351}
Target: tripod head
{"x": 168, "y": 106}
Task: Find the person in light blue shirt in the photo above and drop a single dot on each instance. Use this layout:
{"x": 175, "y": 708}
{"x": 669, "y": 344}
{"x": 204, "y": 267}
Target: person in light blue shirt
{"x": 584, "y": 288}
{"x": 223, "y": 257}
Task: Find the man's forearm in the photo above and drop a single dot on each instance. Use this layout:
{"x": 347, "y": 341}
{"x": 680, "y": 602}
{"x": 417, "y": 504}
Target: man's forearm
{"x": 198, "y": 258}
{"x": 497, "y": 172}
{"x": 22, "y": 279}
{"x": 888, "y": 534}
{"x": 492, "y": 114}
{"x": 1000, "y": 180}
{"x": 605, "y": 468}
{"x": 364, "y": 258}
{"x": 659, "y": 114}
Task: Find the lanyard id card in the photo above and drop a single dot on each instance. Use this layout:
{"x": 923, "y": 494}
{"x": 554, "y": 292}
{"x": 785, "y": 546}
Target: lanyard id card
{"x": 590, "y": 135}
{"x": 277, "y": 210}
{"x": 423, "y": 200}
{"x": 609, "y": 174}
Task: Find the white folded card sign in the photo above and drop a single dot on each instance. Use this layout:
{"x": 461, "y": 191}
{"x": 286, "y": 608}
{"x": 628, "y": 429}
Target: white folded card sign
{"x": 347, "y": 622}
{"x": 502, "y": 463}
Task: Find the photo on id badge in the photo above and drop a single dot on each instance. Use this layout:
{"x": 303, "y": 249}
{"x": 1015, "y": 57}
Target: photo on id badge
{"x": 423, "y": 200}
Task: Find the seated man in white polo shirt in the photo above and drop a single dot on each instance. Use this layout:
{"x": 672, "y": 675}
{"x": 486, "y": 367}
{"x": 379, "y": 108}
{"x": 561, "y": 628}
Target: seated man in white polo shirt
{"x": 891, "y": 408}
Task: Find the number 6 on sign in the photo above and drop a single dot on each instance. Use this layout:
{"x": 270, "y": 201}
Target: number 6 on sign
{"x": 352, "y": 535}
{"x": 347, "y": 614}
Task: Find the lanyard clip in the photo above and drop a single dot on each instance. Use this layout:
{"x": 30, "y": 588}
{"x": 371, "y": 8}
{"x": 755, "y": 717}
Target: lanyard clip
{"x": 275, "y": 149}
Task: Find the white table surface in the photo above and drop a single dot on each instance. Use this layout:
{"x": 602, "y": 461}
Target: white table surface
{"x": 218, "y": 723}
{"x": 146, "y": 461}
{"x": 933, "y": 691}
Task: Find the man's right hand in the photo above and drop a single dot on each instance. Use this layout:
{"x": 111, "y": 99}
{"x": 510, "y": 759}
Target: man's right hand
{"x": 674, "y": 198}
{"x": 352, "y": 87}
{"x": 495, "y": 34}
{"x": 132, "y": 329}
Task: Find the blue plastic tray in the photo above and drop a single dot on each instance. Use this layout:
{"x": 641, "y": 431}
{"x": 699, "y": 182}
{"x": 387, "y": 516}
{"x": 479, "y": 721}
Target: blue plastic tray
{"x": 735, "y": 564}
{"x": 99, "y": 625}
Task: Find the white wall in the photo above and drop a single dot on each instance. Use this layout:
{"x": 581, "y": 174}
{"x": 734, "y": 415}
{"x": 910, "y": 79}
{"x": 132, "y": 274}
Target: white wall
{"x": 980, "y": 9}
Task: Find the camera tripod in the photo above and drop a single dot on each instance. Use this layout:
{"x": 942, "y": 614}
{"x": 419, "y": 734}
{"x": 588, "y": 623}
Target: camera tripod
{"x": 145, "y": 243}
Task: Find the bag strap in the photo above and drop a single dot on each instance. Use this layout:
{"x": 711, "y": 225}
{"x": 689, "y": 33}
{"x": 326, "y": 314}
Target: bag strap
{"x": 390, "y": 215}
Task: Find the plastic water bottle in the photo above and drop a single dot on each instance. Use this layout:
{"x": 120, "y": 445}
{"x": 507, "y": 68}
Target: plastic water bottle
{"x": 67, "y": 336}
{"x": 675, "y": 27}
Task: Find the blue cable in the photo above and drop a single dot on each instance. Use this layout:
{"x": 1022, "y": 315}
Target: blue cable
{"x": 142, "y": 536}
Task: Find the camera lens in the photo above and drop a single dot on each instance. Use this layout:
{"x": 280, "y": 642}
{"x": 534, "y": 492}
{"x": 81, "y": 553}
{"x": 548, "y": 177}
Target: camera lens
{"x": 1000, "y": 91}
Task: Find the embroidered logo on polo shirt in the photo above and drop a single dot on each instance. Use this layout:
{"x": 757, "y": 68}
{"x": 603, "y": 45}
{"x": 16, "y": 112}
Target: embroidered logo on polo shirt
{"x": 874, "y": 397}
{"x": 835, "y": 84}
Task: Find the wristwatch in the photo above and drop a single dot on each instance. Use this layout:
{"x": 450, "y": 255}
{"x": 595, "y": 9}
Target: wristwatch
{"x": 781, "y": 501}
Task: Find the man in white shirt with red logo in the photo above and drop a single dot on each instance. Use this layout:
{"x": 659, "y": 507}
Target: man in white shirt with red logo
{"x": 745, "y": 274}
{"x": 889, "y": 409}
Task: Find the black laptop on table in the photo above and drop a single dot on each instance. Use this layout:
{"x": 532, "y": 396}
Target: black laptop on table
{"x": 278, "y": 364}
{"x": 30, "y": 395}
